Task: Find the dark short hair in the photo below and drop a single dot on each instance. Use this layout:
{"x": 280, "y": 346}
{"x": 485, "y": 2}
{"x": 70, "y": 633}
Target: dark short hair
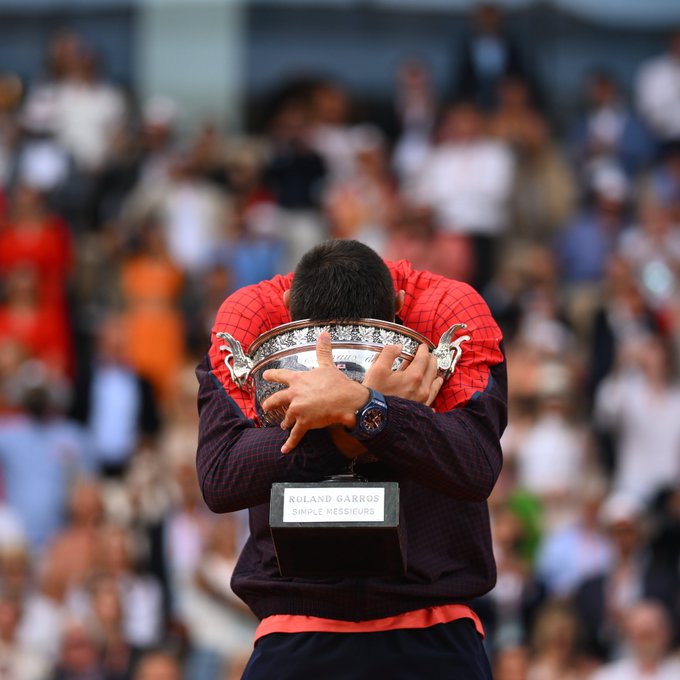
{"x": 342, "y": 280}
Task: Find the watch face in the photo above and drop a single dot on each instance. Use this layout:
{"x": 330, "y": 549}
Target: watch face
{"x": 372, "y": 420}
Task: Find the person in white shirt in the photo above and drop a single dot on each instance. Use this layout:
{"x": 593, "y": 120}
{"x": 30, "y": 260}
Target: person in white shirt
{"x": 467, "y": 180}
{"x": 330, "y": 131}
{"x": 658, "y": 91}
{"x": 415, "y": 108}
{"x": 16, "y": 660}
{"x": 648, "y": 635}
{"x": 640, "y": 404}
{"x": 192, "y": 212}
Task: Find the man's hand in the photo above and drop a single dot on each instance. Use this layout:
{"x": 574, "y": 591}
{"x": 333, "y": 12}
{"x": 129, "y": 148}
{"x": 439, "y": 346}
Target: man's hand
{"x": 317, "y": 398}
{"x": 418, "y": 381}
{"x": 326, "y": 396}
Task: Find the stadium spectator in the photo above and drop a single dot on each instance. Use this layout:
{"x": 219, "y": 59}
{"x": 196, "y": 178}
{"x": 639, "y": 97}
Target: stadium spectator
{"x": 467, "y": 181}
{"x": 40, "y": 453}
{"x": 647, "y": 438}
{"x": 603, "y": 600}
{"x": 116, "y": 405}
{"x": 657, "y": 88}
{"x": 487, "y": 57}
{"x": 648, "y": 634}
{"x": 610, "y": 130}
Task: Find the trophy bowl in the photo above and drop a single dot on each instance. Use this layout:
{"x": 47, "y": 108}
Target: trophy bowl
{"x": 355, "y": 346}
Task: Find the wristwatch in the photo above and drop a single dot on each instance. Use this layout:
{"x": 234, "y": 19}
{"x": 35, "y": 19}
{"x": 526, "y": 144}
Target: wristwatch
{"x": 371, "y": 417}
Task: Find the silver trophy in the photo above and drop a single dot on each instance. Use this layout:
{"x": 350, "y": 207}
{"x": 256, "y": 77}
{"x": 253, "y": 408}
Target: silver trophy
{"x": 355, "y": 346}
{"x": 345, "y": 525}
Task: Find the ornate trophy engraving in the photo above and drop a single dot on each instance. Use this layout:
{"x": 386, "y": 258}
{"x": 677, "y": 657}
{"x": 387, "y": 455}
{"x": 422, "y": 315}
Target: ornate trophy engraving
{"x": 355, "y": 344}
{"x": 345, "y": 526}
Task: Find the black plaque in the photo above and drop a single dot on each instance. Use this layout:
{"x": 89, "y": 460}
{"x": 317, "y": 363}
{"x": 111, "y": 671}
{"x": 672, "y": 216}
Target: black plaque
{"x": 316, "y": 544}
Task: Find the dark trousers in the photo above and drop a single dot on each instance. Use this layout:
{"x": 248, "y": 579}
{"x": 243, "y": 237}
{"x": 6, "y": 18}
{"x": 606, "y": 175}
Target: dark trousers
{"x": 451, "y": 651}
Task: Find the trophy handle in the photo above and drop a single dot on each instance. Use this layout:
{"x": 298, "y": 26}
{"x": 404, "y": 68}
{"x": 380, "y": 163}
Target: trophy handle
{"x": 448, "y": 351}
{"x": 236, "y": 361}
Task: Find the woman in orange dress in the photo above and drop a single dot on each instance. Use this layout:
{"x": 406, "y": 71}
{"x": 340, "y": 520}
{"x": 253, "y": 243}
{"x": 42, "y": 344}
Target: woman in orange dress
{"x": 151, "y": 286}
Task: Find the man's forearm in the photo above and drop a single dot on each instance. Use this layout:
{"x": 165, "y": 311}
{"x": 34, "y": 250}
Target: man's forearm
{"x": 456, "y": 453}
{"x": 238, "y": 462}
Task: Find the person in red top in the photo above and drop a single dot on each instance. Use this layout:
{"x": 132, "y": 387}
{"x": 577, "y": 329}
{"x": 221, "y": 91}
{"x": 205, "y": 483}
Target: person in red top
{"x": 35, "y": 237}
{"x": 40, "y": 330}
{"x": 440, "y": 442}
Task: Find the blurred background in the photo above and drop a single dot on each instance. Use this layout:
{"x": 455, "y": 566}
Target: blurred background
{"x": 155, "y": 155}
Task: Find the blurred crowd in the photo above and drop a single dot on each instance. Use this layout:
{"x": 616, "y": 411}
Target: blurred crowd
{"x": 122, "y": 229}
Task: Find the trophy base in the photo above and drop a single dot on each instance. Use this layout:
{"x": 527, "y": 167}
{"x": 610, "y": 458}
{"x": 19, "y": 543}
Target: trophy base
{"x": 342, "y": 527}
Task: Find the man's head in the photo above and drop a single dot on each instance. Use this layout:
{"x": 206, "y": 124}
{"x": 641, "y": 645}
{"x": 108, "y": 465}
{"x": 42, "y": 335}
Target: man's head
{"x": 648, "y": 631}
{"x": 158, "y": 665}
{"x": 622, "y": 516}
{"x": 602, "y": 88}
{"x": 342, "y": 280}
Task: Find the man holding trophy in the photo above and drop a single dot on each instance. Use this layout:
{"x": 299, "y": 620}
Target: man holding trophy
{"x": 412, "y": 434}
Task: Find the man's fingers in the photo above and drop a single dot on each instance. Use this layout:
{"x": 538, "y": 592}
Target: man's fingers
{"x": 287, "y": 422}
{"x": 279, "y": 375}
{"x": 421, "y": 359}
{"x": 324, "y": 351}
{"x": 430, "y": 370}
{"x": 431, "y": 384}
{"x": 279, "y": 399}
{"x": 296, "y": 434}
{"x": 385, "y": 359}
{"x": 434, "y": 390}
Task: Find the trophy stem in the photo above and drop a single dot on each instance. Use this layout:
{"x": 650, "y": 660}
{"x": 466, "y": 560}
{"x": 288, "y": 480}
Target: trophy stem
{"x": 345, "y": 477}
{"x": 351, "y": 475}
